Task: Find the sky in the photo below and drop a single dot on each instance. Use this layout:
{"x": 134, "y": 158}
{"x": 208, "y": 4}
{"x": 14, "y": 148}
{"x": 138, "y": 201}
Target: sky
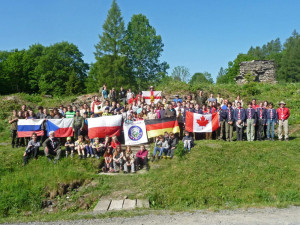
{"x": 200, "y": 35}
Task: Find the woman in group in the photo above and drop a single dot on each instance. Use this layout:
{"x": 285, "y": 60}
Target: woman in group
{"x": 118, "y": 159}
{"x": 128, "y": 159}
{"x": 108, "y": 160}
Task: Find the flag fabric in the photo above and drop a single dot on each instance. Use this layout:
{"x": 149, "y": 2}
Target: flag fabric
{"x": 61, "y": 127}
{"x": 158, "y": 127}
{"x": 28, "y": 126}
{"x": 151, "y": 96}
{"x": 135, "y": 133}
{"x": 102, "y": 126}
{"x": 201, "y": 122}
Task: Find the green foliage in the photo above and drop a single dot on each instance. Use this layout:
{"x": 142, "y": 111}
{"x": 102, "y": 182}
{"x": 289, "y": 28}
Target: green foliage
{"x": 201, "y": 78}
{"x": 179, "y": 151}
{"x": 181, "y": 73}
{"x": 143, "y": 49}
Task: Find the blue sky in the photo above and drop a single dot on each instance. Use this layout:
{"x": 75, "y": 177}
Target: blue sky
{"x": 200, "y": 35}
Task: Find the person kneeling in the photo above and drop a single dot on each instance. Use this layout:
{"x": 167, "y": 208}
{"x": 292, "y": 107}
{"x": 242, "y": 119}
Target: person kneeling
{"x": 142, "y": 158}
{"x": 32, "y": 149}
{"x": 52, "y": 147}
{"x": 128, "y": 159}
{"x": 188, "y": 142}
{"x": 173, "y": 143}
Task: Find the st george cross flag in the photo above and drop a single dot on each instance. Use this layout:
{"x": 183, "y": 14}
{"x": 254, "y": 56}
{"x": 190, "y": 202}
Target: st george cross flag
{"x": 27, "y": 126}
{"x": 135, "y": 133}
{"x": 61, "y": 127}
{"x": 201, "y": 122}
{"x": 151, "y": 96}
{"x": 102, "y": 126}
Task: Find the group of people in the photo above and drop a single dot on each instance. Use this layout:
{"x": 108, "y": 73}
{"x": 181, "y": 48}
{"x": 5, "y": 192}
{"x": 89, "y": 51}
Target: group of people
{"x": 258, "y": 118}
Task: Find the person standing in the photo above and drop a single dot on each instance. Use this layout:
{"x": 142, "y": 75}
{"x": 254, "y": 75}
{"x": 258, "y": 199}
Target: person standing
{"x": 13, "y": 121}
{"x": 78, "y": 124}
{"x": 201, "y": 99}
{"x": 70, "y": 113}
{"x": 271, "y": 121}
{"x": 122, "y": 95}
{"x": 239, "y": 117}
{"x": 261, "y": 120}
{"x": 229, "y": 120}
{"x": 251, "y": 122}
{"x": 283, "y": 116}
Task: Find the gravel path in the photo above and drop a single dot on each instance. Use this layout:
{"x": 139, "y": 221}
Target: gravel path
{"x": 288, "y": 216}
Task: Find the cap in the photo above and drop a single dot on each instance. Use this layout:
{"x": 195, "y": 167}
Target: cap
{"x": 85, "y": 113}
{"x": 107, "y": 108}
{"x": 282, "y": 102}
{"x": 176, "y": 95}
{"x": 77, "y": 110}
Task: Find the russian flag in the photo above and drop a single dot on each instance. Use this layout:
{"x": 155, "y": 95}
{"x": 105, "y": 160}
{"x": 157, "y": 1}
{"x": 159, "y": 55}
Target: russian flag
{"x": 102, "y": 126}
{"x": 61, "y": 127}
{"x": 27, "y": 126}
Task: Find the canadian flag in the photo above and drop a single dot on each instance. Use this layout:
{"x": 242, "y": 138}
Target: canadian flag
{"x": 201, "y": 122}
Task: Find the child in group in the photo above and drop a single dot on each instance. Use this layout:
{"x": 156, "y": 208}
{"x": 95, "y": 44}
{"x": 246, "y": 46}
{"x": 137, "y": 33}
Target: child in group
{"x": 108, "y": 161}
{"x": 98, "y": 148}
{"x": 188, "y": 142}
{"x": 173, "y": 141}
{"x": 161, "y": 146}
{"x": 118, "y": 159}
{"x": 114, "y": 142}
{"x": 79, "y": 146}
{"x": 32, "y": 149}
{"x": 128, "y": 159}
{"x": 69, "y": 147}
{"x": 88, "y": 146}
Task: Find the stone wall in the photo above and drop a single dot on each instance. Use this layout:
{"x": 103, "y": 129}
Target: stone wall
{"x": 261, "y": 70}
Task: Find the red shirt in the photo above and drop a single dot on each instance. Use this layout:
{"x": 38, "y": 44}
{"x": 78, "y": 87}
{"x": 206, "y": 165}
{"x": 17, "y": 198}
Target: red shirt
{"x": 213, "y": 110}
{"x": 115, "y": 144}
{"x": 255, "y": 106}
{"x": 283, "y": 113}
{"x": 141, "y": 154}
{"x": 131, "y": 100}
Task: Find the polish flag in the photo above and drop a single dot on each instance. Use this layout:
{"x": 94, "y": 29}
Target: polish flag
{"x": 28, "y": 126}
{"x": 61, "y": 127}
{"x": 201, "y": 122}
{"x": 102, "y": 126}
{"x": 151, "y": 96}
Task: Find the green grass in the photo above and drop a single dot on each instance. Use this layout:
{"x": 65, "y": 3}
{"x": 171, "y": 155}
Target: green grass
{"x": 216, "y": 175}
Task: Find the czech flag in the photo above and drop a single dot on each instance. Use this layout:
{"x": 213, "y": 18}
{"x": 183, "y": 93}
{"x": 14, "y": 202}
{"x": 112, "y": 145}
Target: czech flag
{"x": 61, "y": 127}
{"x": 28, "y": 126}
{"x": 160, "y": 126}
{"x": 201, "y": 122}
{"x": 102, "y": 126}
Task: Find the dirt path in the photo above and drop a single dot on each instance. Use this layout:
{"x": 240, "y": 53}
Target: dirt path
{"x": 288, "y": 216}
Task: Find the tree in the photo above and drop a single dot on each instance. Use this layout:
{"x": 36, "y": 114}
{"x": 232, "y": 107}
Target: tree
{"x": 111, "y": 65}
{"x": 143, "y": 49}
{"x": 200, "y": 78}
{"x": 221, "y": 78}
{"x": 181, "y": 73}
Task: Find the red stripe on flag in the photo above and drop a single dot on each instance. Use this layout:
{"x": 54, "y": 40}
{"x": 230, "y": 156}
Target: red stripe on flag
{"x": 101, "y": 132}
{"x": 162, "y": 125}
{"x": 215, "y": 121}
{"x": 29, "y": 133}
{"x": 189, "y": 120}
{"x": 64, "y": 132}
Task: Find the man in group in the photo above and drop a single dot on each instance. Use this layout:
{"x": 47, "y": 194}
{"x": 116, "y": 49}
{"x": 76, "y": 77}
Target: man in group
{"x": 261, "y": 120}
{"x": 239, "y": 117}
{"x": 177, "y": 99}
{"x": 70, "y": 113}
{"x": 122, "y": 95}
{"x": 78, "y": 124}
{"x": 271, "y": 121}
{"x": 229, "y": 120}
{"x": 251, "y": 122}
{"x": 283, "y": 116}
{"x": 201, "y": 99}
{"x": 13, "y": 121}
{"x": 211, "y": 99}
{"x": 170, "y": 112}
{"x": 52, "y": 147}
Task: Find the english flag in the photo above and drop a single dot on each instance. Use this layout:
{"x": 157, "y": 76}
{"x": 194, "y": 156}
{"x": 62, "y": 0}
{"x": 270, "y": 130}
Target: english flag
{"x": 201, "y": 122}
{"x": 102, "y": 126}
{"x": 151, "y": 96}
{"x": 28, "y": 126}
{"x": 61, "y": 127}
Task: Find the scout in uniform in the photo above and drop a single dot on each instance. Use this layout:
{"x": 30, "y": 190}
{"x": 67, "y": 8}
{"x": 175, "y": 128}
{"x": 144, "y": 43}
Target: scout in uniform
{"x": 283, "y": 115}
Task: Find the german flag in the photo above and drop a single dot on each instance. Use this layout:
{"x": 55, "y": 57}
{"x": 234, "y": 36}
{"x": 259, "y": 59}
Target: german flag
{"x": 160, "y": 126}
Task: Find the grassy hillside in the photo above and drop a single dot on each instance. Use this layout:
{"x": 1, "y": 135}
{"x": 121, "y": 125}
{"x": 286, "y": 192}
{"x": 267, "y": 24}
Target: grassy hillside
{"x": 215, "y": 175}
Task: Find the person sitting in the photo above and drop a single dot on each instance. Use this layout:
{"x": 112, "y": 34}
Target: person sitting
{"x": 161, "y": 146}
{"x": 88, "y": 147}
{"x": 79, "y": 146}
{"x": 114, "y": 142}
{"x": 128, "y": 159}
{"x": 108, "y": 161}
{"x": 173, "y": 141}
{"x": 32, "y": 149}
{"x": 188, "y": 142}
{"x": 98, "y": 148}
{"x": 52, "y": 147}
{"x": 118, "y": 159}
{"x": 142, "y": 158}
{"x": 69, "y": 147}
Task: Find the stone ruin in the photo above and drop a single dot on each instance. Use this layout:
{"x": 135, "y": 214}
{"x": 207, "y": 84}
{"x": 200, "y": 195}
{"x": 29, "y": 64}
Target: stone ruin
{"x": 261, "y": 70}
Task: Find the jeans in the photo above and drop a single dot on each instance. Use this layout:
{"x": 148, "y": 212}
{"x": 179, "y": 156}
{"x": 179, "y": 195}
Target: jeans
{"x": 171, "y": 152}
{"x": 55, "y": 152}
{"x": 160, "y": 150}
{"x": 270, "y": 128}
{"x": 89, "y": 150}
{"x": 31, "y": 151}
{"x": 117, "y": 165}
{"x": 187, "y": 145}
{"x": 260, "y": 130}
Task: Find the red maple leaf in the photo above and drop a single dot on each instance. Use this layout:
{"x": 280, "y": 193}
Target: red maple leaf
{"x": 202, "y": 122}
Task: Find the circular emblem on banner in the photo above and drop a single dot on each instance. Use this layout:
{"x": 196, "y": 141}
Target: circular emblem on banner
{"x": 135, "y": 133}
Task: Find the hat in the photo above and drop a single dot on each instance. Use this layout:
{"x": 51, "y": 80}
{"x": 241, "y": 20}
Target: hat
{"x": 107, "y": 108}
{"x": 69, "y": 138}
{"x": 151, "y": 87}
{"x": 282, "y": 102}
{"x": 77, "y": 110}
{"x": 176, "y": 95}
{"x": 85, "y": 113}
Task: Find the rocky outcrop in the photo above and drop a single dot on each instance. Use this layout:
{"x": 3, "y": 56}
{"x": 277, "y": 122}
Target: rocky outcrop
{"x": 257, "y": 70}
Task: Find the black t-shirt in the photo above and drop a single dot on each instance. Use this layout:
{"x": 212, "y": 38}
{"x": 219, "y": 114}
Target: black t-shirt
{"x": 122, "y": 94}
